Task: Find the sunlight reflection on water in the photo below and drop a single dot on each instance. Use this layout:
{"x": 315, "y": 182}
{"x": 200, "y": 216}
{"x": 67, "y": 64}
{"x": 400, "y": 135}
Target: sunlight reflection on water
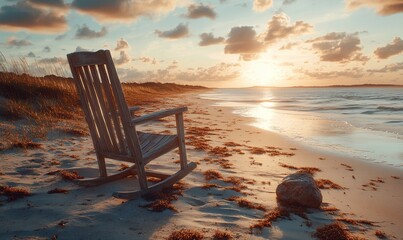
{"x": 326, "y": 128}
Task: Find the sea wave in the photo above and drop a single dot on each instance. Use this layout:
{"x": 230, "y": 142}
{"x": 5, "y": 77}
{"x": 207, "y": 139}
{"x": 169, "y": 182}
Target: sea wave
{"x": 387, "y": 108}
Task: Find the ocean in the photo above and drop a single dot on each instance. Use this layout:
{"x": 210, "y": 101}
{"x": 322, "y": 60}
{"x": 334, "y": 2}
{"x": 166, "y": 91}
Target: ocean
{"x": 350, "y": 121}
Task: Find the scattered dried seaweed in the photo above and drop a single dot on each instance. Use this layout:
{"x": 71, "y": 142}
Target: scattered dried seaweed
{"x": 288, "y": 166}
{"x": 58, "y": 190}
{"x": 199, "y": 143}
{"x": 220, "y": 152}
{"x": 333, "y": 231}
{"x": 123, "y": 166}
{"x": 327, "y": 184}
{"x": 160, "y": 205}
{"x": 26, "y": 145}
{"x": 257, "y": 150}
{"x": 380, "y": 234}
{"x": 328, "y": 208}
{"x": 253, "y": 162}
{"x": 243, "y": 202}
{"x": 70, "y": 175}
{"x": 348, "y": 167}
{"x": 395, "y": 177}
{"x": 153, "y": 179}
{"x": 224, "y": 163}
{"x": 356, "y": 222}
{"x": 232, "y": 144}
{"x": 13, "y": 193}
{"x": 270, "y": 217}
{"x": 237, "y": 188}
{"x": 186, "y": 234}
{"x": 222, "y": 235}
{"x": 209, "y": 185}
{"x": 310, "y": 170}
{"x": 212, "y": 174}
{"x": 163, "y": 199}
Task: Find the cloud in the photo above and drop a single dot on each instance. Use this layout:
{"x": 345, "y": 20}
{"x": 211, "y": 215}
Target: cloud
{"x": 179, "y": 31}
{"x": 31, "y": 55}
{"x": 209, "y": 39}
{"x": 350, "y": 73}
{"x": 152, "y": 61}
{"x": 217, "y": 73}
{"x": 81, "y": 49}
{"x": 394, "y": 67}
{"x": 288, "y": 46}
{"x": 46, "y": 49}
{"x": 338, "y": 47}
{"x": 24, "y": 16}
{"x": 246, "y": 42}
{"x": 199, "y": 11}
{"x": 124, "y": 10}
{"x": 262, "y": 5}
{"x": 121, "y": 44}
{"x": 243, "y": 41}
{"x": 60, "y": 37}
{"x": 53, "y": 60}
{"x": 49, "y": 3}
{"x": 14, "y": 42}
{"x": 85, "y": 32}
{"x": 394, "y": 48}
{"x": 123, "y": 58}
{"x": 280, "y": 27}
{"x": 384, "y": 7}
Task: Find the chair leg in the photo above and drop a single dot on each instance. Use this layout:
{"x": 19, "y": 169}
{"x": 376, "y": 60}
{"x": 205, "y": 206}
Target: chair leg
{"x": 180, "y": 129}
{"x": 101, "y": 166}
{"x": 142, "y": 177}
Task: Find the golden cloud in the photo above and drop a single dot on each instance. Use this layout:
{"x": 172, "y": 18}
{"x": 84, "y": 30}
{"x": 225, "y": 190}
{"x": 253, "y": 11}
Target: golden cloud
{"x": 25, "y": 16}
{"x": 384, "y": 7}
{"x": 393, "y": 48}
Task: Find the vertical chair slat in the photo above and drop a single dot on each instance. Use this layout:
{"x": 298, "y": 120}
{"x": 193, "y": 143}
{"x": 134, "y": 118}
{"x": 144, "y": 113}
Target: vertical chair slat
{"x": 99, "y": 111}
{"x": 105, "y": 109}
{"x": 93, "y": 107}
{"x": 112, "y": 108}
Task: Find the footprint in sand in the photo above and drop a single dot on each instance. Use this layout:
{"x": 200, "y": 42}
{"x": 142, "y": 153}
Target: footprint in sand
{"x": 194, "y": 201}
{"x": 36, "y": 160}
{"x": 28, "y": 170}
{"x": 36, "y": 155}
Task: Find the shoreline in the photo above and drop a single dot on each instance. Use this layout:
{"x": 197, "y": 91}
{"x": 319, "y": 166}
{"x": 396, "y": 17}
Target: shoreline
{"x": 354, "y": 136}
{"x": 240, "y": 153}
{"x": 333, "y": 166}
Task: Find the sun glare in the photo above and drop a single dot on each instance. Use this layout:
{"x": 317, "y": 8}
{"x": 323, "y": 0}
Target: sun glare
{"x": 262, "y": 73}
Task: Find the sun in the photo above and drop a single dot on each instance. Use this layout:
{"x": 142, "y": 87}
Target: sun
{"x": 262, "y": 72}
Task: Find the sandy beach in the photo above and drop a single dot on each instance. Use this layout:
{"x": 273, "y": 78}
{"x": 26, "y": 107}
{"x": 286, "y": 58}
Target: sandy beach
{"x": 230, "y": 191}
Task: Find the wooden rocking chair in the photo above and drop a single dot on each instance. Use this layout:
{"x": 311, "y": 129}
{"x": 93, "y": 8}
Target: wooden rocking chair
{"x": 113, "y": 129}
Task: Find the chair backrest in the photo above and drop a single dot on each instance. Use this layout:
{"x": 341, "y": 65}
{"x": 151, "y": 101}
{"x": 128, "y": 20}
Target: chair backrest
{"x": 103, "y": 102}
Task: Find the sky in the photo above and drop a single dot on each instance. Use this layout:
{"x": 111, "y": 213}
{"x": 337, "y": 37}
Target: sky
{"x": 213, "y": 43}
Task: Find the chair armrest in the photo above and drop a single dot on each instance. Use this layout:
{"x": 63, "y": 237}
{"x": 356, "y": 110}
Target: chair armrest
{"x": 133, "y": 109}
{"x": 158, "y": 115}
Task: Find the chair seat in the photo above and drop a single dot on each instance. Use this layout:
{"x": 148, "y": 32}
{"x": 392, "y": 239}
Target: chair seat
{"x": 154, "y": 145}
